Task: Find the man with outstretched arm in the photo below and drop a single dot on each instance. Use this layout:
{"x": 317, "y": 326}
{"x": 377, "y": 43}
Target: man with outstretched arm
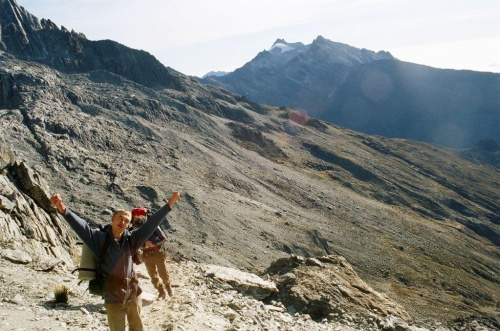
{"x": 121, "y": 288}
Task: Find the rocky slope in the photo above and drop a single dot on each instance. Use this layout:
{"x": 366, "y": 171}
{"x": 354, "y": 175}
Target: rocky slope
{"x": 202, "y": 301}
{"x": 36, "y": 267}
{"x": 418, "y": 223}
{"x": 322, "y": 293}
{"x": 398, "y": 99}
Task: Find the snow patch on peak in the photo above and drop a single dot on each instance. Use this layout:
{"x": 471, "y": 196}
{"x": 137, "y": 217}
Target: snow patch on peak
{"x": 280, "y": 41}
{"x": 280, "y": 48}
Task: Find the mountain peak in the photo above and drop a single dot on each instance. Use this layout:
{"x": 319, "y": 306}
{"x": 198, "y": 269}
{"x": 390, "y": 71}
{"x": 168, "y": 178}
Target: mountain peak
{"x": 280, "y": 41}
{"x": 15, "y": 21}
{"x": 215, "y": 73}
{"x": 280, "y": 46}
{"x": 319, "y": 39}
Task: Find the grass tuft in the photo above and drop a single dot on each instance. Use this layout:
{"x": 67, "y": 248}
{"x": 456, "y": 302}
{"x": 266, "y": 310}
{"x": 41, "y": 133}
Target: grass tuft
{"x": 61, "y": 294}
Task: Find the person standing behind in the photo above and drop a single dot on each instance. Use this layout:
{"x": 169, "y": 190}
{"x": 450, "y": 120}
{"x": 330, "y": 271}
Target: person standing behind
{"x": 121, "y": 292}
{"x": 153, "y": 255}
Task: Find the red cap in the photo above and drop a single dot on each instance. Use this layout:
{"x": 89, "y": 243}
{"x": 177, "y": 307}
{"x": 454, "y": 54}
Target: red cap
{"x": 138, "y": 212}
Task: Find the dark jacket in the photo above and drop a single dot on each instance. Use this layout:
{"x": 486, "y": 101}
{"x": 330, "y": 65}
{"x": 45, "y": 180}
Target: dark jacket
{"x": 117, "y": 265}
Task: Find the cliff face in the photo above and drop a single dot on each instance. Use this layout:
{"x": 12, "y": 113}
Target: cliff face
{"x": 30, "y": 230}
{"x": 26, "y": 37}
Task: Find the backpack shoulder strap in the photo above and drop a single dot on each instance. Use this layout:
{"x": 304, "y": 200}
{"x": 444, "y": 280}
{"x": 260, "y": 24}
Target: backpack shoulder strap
{"x": 103, "y": 252}
{"x": 133, "y": 250}
{"x": 162, "y": 237}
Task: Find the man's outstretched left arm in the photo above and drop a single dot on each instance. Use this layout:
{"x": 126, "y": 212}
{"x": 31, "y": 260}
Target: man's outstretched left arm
{"x": 145, "y": 231}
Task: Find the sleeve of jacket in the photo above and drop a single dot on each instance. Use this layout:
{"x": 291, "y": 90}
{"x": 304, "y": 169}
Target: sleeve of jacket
{"x": 83, "y": 230}
{"x": 146, "y": 230}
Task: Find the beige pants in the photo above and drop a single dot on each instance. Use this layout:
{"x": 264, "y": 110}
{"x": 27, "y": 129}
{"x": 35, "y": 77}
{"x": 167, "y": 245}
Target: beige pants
{"x": 156, "y": 265}
{"x": 131, "y": 310}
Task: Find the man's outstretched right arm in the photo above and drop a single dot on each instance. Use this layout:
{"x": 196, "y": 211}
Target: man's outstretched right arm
{"x": 80, "y": 226}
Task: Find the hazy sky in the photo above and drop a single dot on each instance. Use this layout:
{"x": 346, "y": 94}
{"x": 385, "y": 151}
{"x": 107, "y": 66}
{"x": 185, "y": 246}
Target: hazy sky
{"x": 198, "y": 36}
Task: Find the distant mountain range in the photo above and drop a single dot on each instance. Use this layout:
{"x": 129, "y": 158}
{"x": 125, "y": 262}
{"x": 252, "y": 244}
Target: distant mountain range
{"x": 372, "y": 92}
{"x": 294, "y": 74}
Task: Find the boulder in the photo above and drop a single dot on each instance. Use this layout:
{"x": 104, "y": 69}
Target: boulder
{"x": 33, "y": 185}
{"x": 17, "y": 299}
{"x": 243, "y": 282}
{"x": 16, "y": 256}
{"x": 328, "y": 287}
{"x": 147, "y": 298}
{"x": 6, "y": 204}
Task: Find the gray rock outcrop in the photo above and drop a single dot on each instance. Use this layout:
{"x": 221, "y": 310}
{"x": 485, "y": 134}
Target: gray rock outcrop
{"x": 6, "y": 155}
{"x": 328, "y": 287}
{"x": 30, "y": 230}
{"x": 16, "y": 256}
{"x": 244, "y": 282}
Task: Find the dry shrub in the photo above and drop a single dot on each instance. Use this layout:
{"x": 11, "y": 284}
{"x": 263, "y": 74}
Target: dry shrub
{"x": 61, "y": 294}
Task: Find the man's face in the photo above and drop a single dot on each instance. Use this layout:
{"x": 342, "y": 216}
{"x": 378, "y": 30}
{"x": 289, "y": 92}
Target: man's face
{"x": 120, "y": 222}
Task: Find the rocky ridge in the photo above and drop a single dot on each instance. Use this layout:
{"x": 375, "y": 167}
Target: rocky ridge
{"x": 29, "y": 38}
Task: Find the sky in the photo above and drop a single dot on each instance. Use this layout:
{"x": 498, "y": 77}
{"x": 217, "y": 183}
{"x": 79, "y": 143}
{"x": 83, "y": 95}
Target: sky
{"x": 198, "y": 36}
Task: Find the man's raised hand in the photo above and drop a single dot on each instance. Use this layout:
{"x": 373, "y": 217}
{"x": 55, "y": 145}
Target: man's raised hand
{"x": 175, "y": 196}
{"x": 57, "y": 202}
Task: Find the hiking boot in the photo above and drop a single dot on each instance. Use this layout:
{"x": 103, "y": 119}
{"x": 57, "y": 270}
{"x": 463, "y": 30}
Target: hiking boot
{"x": 169, "y": 290}
{"x": 162, "y": 294}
